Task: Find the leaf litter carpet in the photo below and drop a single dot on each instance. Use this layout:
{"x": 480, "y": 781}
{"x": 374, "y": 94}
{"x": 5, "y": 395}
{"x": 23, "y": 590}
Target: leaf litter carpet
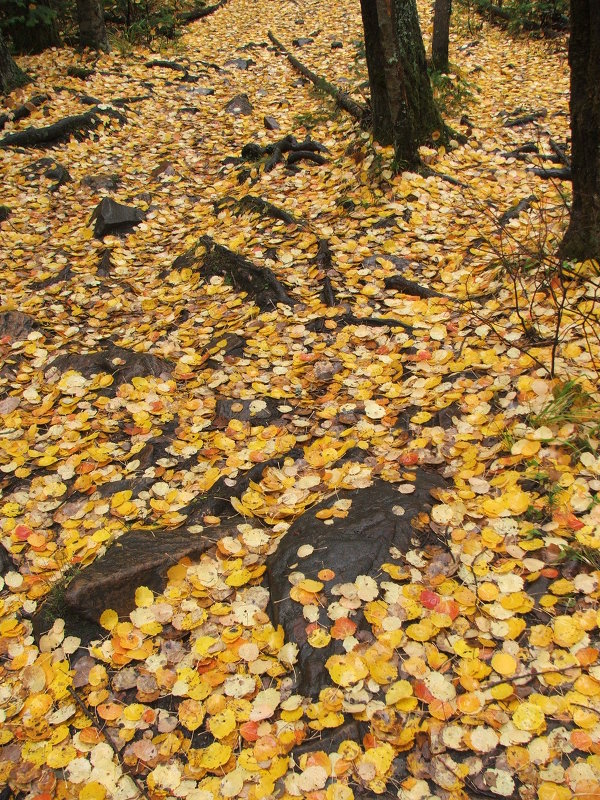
{"x": 480, "y": 675}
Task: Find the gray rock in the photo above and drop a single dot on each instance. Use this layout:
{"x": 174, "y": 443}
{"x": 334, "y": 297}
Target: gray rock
{"x": 271, "y": 124}
{"x": 113, "y": 217}
{"x": 240, "y": 104}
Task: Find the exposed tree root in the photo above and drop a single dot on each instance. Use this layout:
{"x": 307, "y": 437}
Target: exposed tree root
{"x": 77, "y": 125}
{"x": 323, "y": 262}
{"x": 343, "y": 100}
{"x": 409, "y": 287}
{"x": 515, "y": 210}
{"x": 307, "y": 149}
{"x": 563, "y": 174}
{"x": 516, "y": 122}
{"x": 259, "y": 282}
{"x": 200, "y": 13}
{"x": 251, "y": 202}
{"x": 23, "y": 111}
{"x": 174, "y": 65}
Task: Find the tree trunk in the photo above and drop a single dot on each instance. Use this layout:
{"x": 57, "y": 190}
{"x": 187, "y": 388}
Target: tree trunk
{"x": 582, "y": 239}
{"x": 34, "y": 29}
{"x": 403, "y": 108}
{"x": 441, "y": 35}
{"x": 92, "y": 30}
{"x": 11, "y": 75}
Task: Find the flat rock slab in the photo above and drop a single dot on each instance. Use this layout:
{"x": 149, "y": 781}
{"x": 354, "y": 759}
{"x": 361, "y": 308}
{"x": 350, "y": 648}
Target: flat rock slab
{"x": 138, "y": 558}
{"x": 246, "y": 410}
{"x": 113, "y": 217}
{"x": 16, "y": 325}
{"x": 355, "y": 545}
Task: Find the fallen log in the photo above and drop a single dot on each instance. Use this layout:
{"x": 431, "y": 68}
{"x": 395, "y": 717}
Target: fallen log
{"x": 305, "y": 155}
{"x": 77, "y": 125}
{"x": 343, "y": 99}
{"x": 522, "y": 152}
{"x": 22, "y": 111}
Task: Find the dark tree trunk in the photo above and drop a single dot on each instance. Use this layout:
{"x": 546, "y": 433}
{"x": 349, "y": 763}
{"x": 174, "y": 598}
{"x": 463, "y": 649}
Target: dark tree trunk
{"x": 441, "y": 35}
{"x": 38, "y": 29}
{"x": 582, "y": 239}
{"x": 11, "y": 75}
{"x": 403, "y": 108}
{"x": 92, "y": 30}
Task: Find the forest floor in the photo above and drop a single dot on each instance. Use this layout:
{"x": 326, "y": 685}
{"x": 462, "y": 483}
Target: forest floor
{"x": 475, "y": 668}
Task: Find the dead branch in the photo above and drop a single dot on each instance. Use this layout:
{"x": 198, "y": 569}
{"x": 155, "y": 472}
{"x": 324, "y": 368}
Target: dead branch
{"x": 343, "y": 100}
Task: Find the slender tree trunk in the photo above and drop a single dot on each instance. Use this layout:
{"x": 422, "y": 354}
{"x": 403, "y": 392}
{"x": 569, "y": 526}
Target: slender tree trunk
{"x": 441, "y": 35}
{"x": 11, "y": 75}
{"x": 582, "y": 239}
{"x": 403, "y": 108}
{"x": 92, "y": 30}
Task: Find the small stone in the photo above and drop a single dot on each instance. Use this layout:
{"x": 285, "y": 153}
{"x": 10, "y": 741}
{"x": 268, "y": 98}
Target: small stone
{"x": 102, "y": 181}
{"x": 240, "y": 104}
{"x": 113, "y": 217}
{"x": 302, "y": 40}
{"x": 271, "y": 124}
{"x": 336, "y": 45}
{"x": 240, "y": 63}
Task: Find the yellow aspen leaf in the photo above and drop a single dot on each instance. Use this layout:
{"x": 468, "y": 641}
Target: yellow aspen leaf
{"x": 525, "y": 447}
{"x": 529, "y": 717}
{"x": 319, "y": 637}
{"x": 399, "y": 690}
{"x": 553, "y": 791}
{"x": 92, "y": 791}
{"x": 215, "y": 756}
{"x": 144, "y": 597}
{"x": 504, "y": 664}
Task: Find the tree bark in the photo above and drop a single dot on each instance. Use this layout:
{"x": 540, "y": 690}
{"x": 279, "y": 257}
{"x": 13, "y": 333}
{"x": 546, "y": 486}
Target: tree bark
{"x": 441, "y": 35}
{"x": 11, "y": 75}
{"x": 582, "y": 239}
{"x": 33, "y": 34}
{"x": 92, "y": 30}
{"x": 403, "y": 108}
